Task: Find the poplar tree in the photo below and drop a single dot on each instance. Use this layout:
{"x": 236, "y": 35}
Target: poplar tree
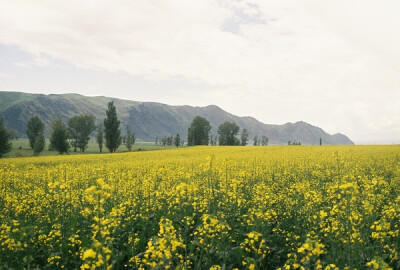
{"x": 129, "y": 138}
{"x": 34, "y": 128}
{"x": 100, "y": 137}
{"x": 40, "y": 142}
{"x": 5, "y": 139}
{"x": 244, "y": 137}
{"x": 111, "y": 128}
{"x": 59, "y": 136}
{"x": 177, "y": 140}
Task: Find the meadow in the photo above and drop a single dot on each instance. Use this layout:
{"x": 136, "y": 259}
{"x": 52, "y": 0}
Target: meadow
{"x": 274, "y": 207}
{"x": 21, "y": 148}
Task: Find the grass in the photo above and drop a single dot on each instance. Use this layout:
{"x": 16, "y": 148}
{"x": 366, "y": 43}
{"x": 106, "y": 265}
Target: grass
{"x": 21, "y": 148}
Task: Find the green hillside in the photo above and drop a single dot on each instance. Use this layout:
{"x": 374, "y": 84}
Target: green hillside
{"x": 149, "y": 119}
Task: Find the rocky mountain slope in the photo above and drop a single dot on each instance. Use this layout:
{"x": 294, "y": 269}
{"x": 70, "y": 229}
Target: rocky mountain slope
{"x": 149, "y": 119}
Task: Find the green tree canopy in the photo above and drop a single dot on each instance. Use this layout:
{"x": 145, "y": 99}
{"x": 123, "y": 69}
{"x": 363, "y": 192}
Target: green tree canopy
{"x": 227, "y": 132}
{"x": 177, "y": 140}
{"x": 111, "y": 128}
{"x": 169, "y": 140}
{"x": 80, "y": 127}
{"x": 100, "y": 137}
{"x": 130, "y": 138}
{"x": 198, "y": 132}
{"x": 264, "y": 140}
{"x": 59, "y": 136}
{"x": 5, "y": 139}
{"x": 34, "y": 128}
{"x": 255, "y": 140}
{"x": 244, "y": 137}
{"x": 40, "y": 142}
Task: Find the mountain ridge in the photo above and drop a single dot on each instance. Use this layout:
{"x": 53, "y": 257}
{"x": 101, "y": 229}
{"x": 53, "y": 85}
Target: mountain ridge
{"x": 150, "y": 119}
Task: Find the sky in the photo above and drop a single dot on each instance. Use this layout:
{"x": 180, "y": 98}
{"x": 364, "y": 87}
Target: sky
{"x": 333, "y": 64}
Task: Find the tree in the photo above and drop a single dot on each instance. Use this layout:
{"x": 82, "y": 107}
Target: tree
{"x": 170, "y": 139}
{"x": 80, "y": 127}
{"x": 130, "y": 138}
{"x": 177, "y": 141}
{"x": 111, "y": 128}
{"x": 164, "y": 141}
{"x": 5, "y": 139}
{"x": 73, "y": 127}
{"x": 156, "y": 140}
{"x": 34, "y": 128}
{"x": 190, "y": 137}
{"x": 244, "y": 137}
{"x": 39, "y": 144}
{"x": 59, "y": 136}
{"x": 100, "y": 137}
{"x": 255, "y": 140}
{"x": 198, "y": 132}
{"x": 227, "y": 132}
{"x": 264, "y": 140}
{"x": 320, "y": 141}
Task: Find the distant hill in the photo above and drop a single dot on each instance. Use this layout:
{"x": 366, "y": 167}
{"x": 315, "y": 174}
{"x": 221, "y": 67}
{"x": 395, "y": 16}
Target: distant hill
{"x": 149, "y": 119}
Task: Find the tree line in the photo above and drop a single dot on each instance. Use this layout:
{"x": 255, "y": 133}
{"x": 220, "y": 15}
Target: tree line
{"x": 75, "y": 134}
{"x": 199, "y": 134}
{"x": 79, "y": 129}
{"x": 170, "y": 140}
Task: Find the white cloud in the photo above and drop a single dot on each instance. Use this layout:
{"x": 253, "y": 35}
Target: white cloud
{"x": 4, "y": 75}
{"x": 36, "y": 61}
{"x": 149, "y": 38}
{"x": 307, "y": 60}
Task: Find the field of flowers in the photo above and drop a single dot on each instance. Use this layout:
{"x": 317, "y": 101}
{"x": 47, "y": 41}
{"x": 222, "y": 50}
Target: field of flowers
{"x": 286, "y": 207}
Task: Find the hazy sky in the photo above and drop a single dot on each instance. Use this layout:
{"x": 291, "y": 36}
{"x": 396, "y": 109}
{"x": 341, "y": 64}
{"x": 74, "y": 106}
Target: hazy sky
{"x": 334, "y": 64}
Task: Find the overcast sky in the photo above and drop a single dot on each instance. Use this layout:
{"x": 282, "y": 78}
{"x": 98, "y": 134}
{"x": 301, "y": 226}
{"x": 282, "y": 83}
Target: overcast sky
{"x": 333, "y": 64}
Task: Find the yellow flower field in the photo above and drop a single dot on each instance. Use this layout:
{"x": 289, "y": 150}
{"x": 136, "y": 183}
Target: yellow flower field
{"x": 275, "y": 207}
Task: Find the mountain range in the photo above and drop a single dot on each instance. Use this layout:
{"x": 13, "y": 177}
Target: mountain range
{"x": 149, "y": 119}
